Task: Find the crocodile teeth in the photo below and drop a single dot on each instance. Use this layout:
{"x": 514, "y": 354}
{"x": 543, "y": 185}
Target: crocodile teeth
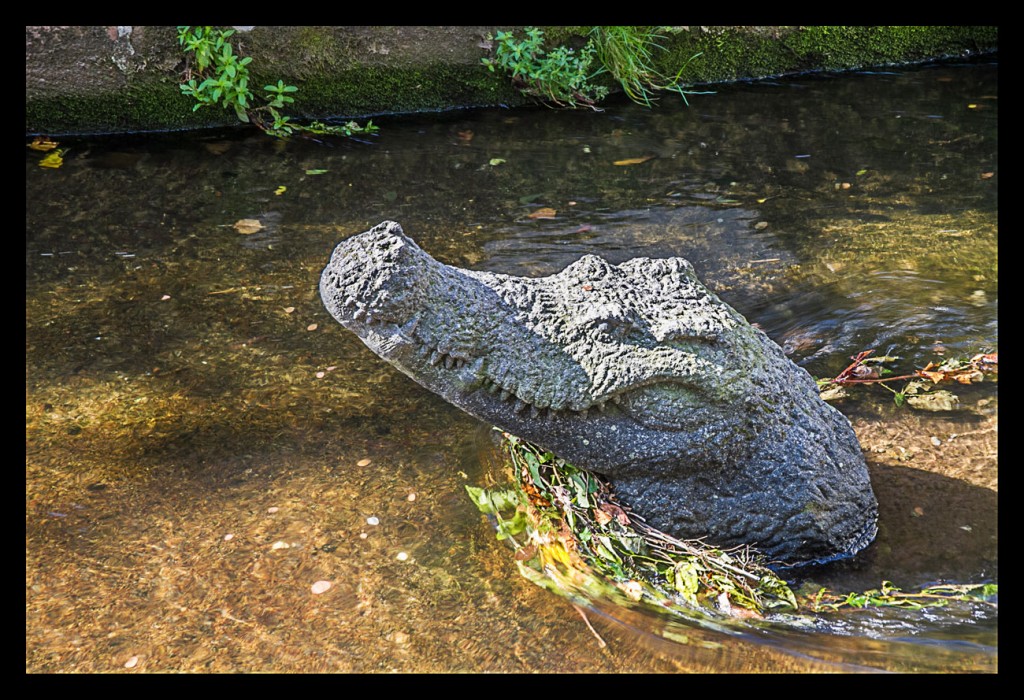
{"x": 551, "y": 414}
{"x": 534, "y": 412}
{"x": 500, "y": 374}
{"x": 617, "y": 399}
{"x": 449, "y": 361}
{"x": 505, "y": 393}
{"x": 435, "y": 357}
{"x": 493, "y": 388}
{"x": 520, "y": 405}
{"x": 600, "y": 406}
{"x": 359, "y": 313}
{"x": 584, "y": 412}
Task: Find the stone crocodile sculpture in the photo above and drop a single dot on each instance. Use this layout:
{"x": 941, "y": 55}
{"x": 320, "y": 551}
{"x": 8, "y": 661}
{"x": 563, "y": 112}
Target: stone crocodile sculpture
{"x": 635, "y": 371}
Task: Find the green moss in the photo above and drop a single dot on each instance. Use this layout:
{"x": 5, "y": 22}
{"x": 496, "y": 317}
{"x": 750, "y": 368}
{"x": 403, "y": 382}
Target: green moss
{"x": 838, "y": 48}
{"x": 738, "y": 53}
{"x": 315, "y": 48}
{"x": 555, "y": 36}
{"x": 375, "y": 90}
{"x": 349, "y": 92}
{"x": 159, "y": 106}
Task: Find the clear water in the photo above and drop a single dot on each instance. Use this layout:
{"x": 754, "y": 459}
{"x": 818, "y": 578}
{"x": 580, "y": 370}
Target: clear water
{"x": 204, "y": 443}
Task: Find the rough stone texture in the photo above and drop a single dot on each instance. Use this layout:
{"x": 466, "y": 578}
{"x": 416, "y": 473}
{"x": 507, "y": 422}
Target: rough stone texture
{"x": 100, "y": 59}
{"x": 635, "y": 371}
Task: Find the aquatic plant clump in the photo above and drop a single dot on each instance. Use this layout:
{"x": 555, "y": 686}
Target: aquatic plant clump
{"x": 572, "y": 536}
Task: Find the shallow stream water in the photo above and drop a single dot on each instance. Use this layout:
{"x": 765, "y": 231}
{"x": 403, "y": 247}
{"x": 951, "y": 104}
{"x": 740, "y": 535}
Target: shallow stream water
{"x": 205, "y": 444}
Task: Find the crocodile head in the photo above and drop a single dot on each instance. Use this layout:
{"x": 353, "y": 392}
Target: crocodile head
{"x": 634, "y": 370}
{"x": 584, "y": 354}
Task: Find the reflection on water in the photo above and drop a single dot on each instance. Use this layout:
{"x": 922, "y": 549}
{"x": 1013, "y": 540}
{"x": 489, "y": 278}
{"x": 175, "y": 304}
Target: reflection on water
{"x": 204, "y": 443}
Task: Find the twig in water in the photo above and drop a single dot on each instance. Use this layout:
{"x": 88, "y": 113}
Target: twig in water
{"x": 600, "y": 642}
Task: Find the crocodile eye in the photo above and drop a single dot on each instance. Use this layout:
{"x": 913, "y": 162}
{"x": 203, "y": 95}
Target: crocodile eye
{"x": 623, "y": 330}
{"x": 638, "y": 336}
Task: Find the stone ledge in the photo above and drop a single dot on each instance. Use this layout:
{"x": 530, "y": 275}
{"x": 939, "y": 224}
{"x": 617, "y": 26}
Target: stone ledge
{"x": 121, "y": 79}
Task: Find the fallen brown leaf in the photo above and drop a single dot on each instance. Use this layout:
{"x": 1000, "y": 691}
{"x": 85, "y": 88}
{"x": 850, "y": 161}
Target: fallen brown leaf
{"x": 969, "y": 376}
{"x": 247, "y": 226}
{"x": 218, "y": 148}
{"x": 633, "y": 161}
{"x": 613, "y": 511}
{"x": 39, "y": 143}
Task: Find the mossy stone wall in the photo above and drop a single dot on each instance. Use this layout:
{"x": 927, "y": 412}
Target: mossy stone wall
{"x": 121, "y": 79}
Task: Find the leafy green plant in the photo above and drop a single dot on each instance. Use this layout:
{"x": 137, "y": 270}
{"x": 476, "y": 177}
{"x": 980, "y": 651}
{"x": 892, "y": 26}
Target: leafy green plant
{"x": 201, "y": 41}
{"x": 220, "y": 77}
{"x": 563, "y": 77}
{"x": 560, "y": 77}
{"x": 229, "y": 84}
{"x": 627, "y": 53}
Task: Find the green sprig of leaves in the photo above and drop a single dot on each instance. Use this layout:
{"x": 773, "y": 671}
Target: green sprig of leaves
{"x": 571, "y": 503}
{"x": 228, "y": 86}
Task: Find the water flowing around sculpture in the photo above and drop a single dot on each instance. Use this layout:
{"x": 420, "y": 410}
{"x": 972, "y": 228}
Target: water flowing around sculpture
{"x": 635, "y": 371}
